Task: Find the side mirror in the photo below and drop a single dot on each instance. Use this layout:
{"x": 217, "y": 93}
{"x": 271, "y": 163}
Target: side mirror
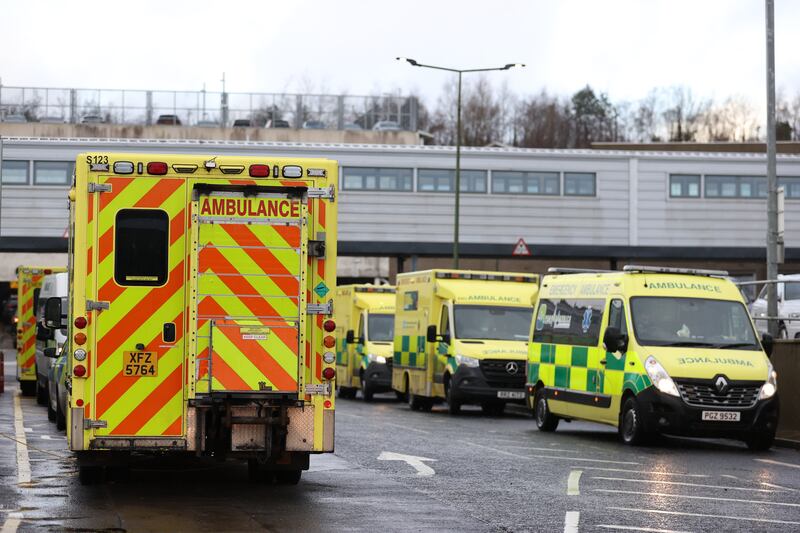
{"x": 350, "y": 337}
{"x": 50, "y": 352}
{"x": 54, "y": 317}
{"x": 44, "y": 334}
{"x": 767, "y": 342}
{"x": 614, "y": 340}
{"x": 431, "y": 334}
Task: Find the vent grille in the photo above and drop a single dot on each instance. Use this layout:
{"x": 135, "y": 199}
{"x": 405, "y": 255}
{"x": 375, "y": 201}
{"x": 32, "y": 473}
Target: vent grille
{"x": 704, "y": 394}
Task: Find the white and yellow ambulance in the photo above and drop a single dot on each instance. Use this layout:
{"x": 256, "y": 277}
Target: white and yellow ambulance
{"x": 651, "y": 350}
{"x": 364, "y": 316}
{"x": 460, "y": 336}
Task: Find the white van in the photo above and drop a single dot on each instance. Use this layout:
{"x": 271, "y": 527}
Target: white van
{"x": 788, "y": 307}
{"x": 52, "y": 285}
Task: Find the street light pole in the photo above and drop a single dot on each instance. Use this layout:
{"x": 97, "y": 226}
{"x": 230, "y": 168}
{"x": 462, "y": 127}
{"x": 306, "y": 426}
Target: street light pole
{"x": 460, "y": 72}
{"x": 772, "y": 181}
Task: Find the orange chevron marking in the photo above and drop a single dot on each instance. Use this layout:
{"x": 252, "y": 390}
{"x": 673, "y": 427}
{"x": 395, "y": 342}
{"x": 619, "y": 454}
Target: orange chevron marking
{"x": 105, "y": 244}
{"x": 117, "y": 186}
{"x": 176, "y": 428}
{"x": 151, "y": 405}
{"x": 159, "y": 192}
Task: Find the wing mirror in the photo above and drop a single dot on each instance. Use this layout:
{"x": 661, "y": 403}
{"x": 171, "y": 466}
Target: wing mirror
{"x": 55, "y": 313}
{"x": 614, "y": 340}
{"x": 432, "y": 336}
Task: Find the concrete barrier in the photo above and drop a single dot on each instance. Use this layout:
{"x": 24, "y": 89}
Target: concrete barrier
{"x": 786, "y": 361}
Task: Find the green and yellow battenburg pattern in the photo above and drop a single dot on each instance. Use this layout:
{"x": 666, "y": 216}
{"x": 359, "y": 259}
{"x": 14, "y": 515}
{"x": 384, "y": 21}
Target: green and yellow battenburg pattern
{"x": 409, "y": 351}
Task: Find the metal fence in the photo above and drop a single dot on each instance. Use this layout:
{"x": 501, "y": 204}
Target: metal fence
{"x": 204, "y": 108}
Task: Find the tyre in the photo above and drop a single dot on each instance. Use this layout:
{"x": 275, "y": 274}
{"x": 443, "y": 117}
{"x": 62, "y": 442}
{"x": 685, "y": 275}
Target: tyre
{"x": 288, "y": 477}
{"x": 366, "y": 391}
{"x": 61, "y": 418}
{"x": 493, "y": 408}
{"x": 631, "y": 424}
{"x": 259, "y": 473}
{"x": 453, "y": 405}
{"x": 401, "y": 396}
{"x": 41, "y": 395}
{"x": 27, "y": 388}
{"x": 416, "y": 403}
{"x": 51, "y": 413}
{"x": 761, "y": 441}
{"x": 545, "y": 420}
{"x": 347, "y": 393}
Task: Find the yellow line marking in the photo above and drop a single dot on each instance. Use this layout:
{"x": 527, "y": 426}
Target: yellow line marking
{"x": 572, "y": 483}
{"x": 12, "y": 523}
{"x": 657, "y": 511}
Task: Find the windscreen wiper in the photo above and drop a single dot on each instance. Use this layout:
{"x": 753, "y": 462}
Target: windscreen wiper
{"x": 738, "y": 345}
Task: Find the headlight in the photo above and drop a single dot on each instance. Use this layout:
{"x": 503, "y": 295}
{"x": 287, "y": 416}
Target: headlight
{"x": 659, "y": 377}
{"x": 769, "y": 388}
{"x": 373, "y": 358}
{"x": 794, "y": 315}
{"x": 467, "y": 361}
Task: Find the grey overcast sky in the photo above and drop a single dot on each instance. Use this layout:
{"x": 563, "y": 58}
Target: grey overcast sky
{"x": 623, "y": 47}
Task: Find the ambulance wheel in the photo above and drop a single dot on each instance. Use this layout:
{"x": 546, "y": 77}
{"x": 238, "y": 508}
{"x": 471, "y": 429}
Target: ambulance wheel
{"x": 91, "y": 474}
{"x": 259, "y": 473}
{"x": 415, "y": 402}
{"x": 427, "y": 405}
{"x": 366, "y": 391}
{"x": 401, "y": 396}
{"x": 453, "y": 405}
{"x": 631, "y": 429}
{"x": 347, "y": 393}
{"x": 288, "y": 477}
{"x": 545, "y": 420}
{"x": 493, "y": 408}
{"x": 761, "y": 441}
{"x": 27, "y": 388}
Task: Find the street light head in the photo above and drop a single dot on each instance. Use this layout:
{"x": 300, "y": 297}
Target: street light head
{"x": 410, "y": 61}
{"x": 512, "y": 65}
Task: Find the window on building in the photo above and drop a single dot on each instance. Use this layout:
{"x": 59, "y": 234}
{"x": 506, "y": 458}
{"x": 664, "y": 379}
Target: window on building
{"x": 543, "y": 183}
{"x": 15, "y": 172}
{"x": 791, "y": 186}
{"x": 736, "y": 187}
{"x": 684, "y": 185}
{"x": 382, "y": 179}
{"x": 52, "y": 172}
{"x": 580, "y": 184}
{"x": 141, "y": 247}
{"x": 437, "y": 180}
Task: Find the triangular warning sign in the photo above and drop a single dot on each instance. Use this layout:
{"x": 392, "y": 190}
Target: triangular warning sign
{"x": 521, "y": 248}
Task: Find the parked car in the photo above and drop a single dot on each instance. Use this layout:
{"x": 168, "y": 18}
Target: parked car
{"x": 168, "y": 120}
{"x": 788, "y": 307}
{"x": 53, "y": 285}
{"x": 278, "y": 123}
{"x": 92, "y": 119}
{"x": 386, "y": 125}
{"x": 57, "y": 390}
{"x": 352, "y": 126}
{"x": 16, "y": 119}
{"x": 313, "y": 125}
{"x": 242, "y": 123}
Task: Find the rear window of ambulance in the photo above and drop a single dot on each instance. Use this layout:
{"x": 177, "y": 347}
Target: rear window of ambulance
{"x": 141, "y": 247}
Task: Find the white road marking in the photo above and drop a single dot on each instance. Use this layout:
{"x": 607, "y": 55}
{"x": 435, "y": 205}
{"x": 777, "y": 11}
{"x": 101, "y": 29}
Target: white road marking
{"x": 666, "y": 495}
{"x": 678, "y": 513}
{"x": 635, "y": 528}
{"x": 23, "y": 462}
{"x": 729, "y": 476}
{"x": 531, "y": 457}
{"x": 413, "y": 460}
{"x": 725, "y": 487}
{"x": 560, "y": 450}
{"x": 780, "y": 463}
{"x": 48, "y": 437}
{"x": 773, "y": 485}
{"x": 573, "y": 483}
{"x": 571, "y": 521}
{"x": 327, "y": 461}
{"x": 12, "y": 523}
{"x": 653, "y": 472}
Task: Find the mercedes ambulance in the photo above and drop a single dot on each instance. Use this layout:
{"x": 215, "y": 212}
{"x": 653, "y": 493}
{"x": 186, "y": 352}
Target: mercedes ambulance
{"x": 651, "y": 350}
{"x": 364, "y": 316}
{"x": 29, "y": 283}
{"x": 200, "y": 317}
{"x": 461, "y": 336}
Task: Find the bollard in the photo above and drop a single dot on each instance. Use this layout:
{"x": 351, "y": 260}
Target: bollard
{"x": 2, "y": 371}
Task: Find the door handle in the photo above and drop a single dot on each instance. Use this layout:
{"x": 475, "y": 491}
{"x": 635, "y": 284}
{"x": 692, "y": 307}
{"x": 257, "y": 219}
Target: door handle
{"x": 603, "y": 362}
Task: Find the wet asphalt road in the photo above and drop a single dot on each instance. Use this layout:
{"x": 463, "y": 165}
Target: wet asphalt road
{"x": 484, "y": 474}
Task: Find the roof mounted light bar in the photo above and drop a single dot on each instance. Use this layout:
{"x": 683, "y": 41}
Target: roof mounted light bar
{"x": 671, "y": 270}
{"x": 562, "y": 270}
{"x": 520, "y": 278}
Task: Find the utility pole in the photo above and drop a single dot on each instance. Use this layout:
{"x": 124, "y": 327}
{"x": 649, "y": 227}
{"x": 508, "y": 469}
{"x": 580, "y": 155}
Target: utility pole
{"x": 772, "y": 180}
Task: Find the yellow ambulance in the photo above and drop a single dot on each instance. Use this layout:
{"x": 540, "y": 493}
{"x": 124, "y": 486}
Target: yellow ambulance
{"x": 364, "y": 316}
{"x": 29, "y": 283}
{"x": 460, "y": 336}
{"x": 200, "y": 317}
{"x": 651, "y": 350}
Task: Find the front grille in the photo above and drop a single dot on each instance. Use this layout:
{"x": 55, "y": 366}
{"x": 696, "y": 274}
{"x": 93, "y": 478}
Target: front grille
{"x": 494, "y": 370}
{"x": 704, "y": 394}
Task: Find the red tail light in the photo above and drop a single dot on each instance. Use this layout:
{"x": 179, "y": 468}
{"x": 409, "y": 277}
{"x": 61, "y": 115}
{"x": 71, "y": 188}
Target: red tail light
{"x": 329, "y": 325}
{"x": 48, "y": 271}
{"x": 80, "y": 339}
{"x": 259, "y": 171}
{"x": 79, "y": 402}
{"x": 80, "y": 322}
{"x": 79, "y": 371}
{"x": 157, "y": 168}
{"x": 328, "y": 373}
{"x": 329, "y": 342}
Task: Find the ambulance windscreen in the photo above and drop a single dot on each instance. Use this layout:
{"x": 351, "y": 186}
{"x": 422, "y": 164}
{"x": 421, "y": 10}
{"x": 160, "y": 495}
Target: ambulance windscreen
{"x": 687, "y": 322}
{"x": 486, "y": 322}
{"x": 381, "y": 328}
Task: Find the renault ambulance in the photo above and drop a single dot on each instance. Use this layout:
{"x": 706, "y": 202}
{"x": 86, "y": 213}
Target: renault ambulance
{"x": 651, "y": 350}
{"x": 461, "y": 337}
{"x": 200, "y": 309}
{"x": 364, "y": 316}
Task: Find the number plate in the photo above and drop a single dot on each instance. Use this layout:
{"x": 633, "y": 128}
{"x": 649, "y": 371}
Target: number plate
{"x": 722, "y": 416}
{"x": 143, "y": 364}
{"x": 511, "y": 395}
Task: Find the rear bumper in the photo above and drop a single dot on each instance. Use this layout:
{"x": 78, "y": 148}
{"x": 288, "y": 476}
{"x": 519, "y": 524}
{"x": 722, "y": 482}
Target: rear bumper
{"x": 671, "y": 415}
{"x": 378, "y": 377}
{"x": 469, "y": 385}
